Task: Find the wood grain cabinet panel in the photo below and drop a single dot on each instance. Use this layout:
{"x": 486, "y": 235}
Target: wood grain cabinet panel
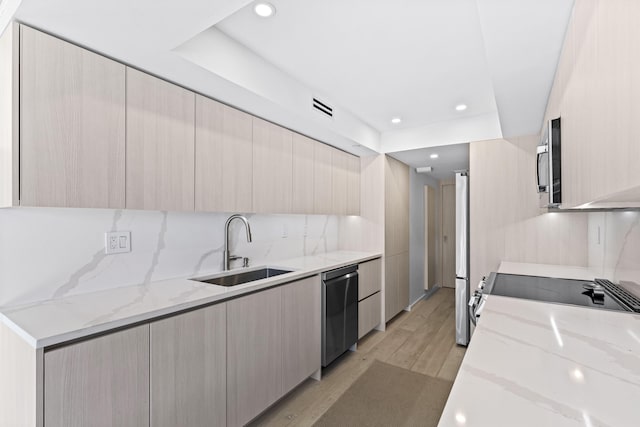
{"x": 303, "y": 173}
{"x": 188, "y": 369}
{"x": 160, "y": 144}
{"x": 99, "y": 382}
{"x": 339, "y": 181}
{"x": 391, "y": 276}
{"x": 396, "y": 237}
{"x": 353, "y": 185}
{"x": 224, "y": 158}
{"x": 322, "y": 179}
{"x": 272, "y": 167}
{"x": 368, "y": 314}
{"x": 369, "y": 278}
{"x": 72, "y": 125}
{"x": 301, "y": 306}
{"x": 254, "y": 355}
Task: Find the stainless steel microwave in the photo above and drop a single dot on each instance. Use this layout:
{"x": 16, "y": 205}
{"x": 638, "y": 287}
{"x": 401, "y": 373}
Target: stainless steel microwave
{"x": 550, "y": 163}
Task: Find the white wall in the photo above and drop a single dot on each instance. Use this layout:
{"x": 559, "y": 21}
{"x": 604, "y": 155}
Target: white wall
{"x": 416, "y": 230}
{"x": 50, "y": 253}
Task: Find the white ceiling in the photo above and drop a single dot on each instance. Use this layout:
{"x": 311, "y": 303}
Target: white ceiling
{"x": 371, "y": 59}
{"x": 379, "y": 59}
{"x": 451, "y": 158}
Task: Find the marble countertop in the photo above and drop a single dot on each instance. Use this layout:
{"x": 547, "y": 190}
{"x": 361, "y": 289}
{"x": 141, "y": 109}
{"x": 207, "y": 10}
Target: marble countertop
{"x": 531, "y": 363}
{"x": 56, "y": 321}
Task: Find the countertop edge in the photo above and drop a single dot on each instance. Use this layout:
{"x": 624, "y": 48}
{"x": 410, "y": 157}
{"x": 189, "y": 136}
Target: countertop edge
{"x": 60, "y": 339}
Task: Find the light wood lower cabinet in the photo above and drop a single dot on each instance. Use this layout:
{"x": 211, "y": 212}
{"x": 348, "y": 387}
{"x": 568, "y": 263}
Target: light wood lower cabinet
{"x": 217, "y": 365}
{"x": 273, "y": 344}
{"x": 254, "y": 355}
{"x": 301, "y": 330}
{"x": 99, "y": 382}
{"x": 369, "y": 278}
{"x": 368, "y": 314}
{"x": 189, "y": 370}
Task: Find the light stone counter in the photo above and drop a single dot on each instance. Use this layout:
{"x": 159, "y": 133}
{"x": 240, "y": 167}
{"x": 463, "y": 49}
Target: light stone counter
{"x": 56, "y": 321}
{"x": 537, "y": 364}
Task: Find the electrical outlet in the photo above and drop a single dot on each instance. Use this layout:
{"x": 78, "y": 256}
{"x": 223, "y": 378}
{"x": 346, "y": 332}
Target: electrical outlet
{"x": 117, "y": 242}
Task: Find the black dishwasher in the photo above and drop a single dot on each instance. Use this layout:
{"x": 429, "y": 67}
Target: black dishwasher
{"x": 339, "y": 312}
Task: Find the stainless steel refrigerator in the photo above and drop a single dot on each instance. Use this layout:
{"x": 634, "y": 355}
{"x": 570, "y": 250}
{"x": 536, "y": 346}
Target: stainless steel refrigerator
{"x": 462, "y": 258}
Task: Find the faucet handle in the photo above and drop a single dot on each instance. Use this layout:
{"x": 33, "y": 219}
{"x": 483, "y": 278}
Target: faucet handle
{"x": 245, "y": 262}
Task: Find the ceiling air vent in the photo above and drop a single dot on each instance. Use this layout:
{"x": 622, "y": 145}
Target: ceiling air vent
{"x": 322, "y": 107}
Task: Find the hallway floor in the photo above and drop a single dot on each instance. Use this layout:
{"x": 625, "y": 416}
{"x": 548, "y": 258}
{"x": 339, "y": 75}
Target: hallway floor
{"x": 422, "y": 340}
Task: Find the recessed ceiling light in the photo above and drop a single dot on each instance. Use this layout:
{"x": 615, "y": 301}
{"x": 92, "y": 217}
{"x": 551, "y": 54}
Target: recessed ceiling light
{"x": 434, "y": 156}
{"x": 461, "y": 107}
{"x": 264, "y": 10}
{"x": 396, "y": 120}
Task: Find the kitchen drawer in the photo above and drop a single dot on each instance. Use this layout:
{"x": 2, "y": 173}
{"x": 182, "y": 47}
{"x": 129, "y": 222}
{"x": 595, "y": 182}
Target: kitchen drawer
{"x": 368, "y": 314}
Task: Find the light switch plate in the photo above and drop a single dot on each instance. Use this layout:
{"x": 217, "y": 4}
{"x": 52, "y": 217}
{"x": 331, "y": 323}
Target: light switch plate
{"x": 117, "y": 242}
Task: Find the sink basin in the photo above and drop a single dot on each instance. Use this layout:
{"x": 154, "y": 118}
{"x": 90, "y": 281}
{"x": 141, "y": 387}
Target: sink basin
{"x": 243, "y": 276}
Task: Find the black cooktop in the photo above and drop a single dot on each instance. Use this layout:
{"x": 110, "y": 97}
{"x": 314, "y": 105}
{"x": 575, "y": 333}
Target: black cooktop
{"x": 564, "y": 291}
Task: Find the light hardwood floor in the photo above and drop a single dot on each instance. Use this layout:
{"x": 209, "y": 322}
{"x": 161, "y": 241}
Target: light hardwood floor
{"x": 422, "y": 340}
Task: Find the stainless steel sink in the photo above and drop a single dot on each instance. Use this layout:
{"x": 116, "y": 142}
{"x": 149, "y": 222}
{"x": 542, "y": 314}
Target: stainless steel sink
{"x": 242, "y": 276}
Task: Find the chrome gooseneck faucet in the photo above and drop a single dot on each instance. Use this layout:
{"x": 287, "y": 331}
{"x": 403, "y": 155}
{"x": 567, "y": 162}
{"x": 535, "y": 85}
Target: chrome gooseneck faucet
{"x": 227, "y": 256}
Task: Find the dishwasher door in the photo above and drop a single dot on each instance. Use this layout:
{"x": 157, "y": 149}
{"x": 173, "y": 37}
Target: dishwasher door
{"x": 339, "y": 312}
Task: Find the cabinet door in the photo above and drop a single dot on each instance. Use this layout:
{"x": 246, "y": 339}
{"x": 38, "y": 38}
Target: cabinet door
{"x": 303, "y": 172}
{"x": 72, "y": 125}
{"x": 369, "y": 278}
{"x": 368, "y": 314}
{"x": 99, "y": 382}
{"x": 353, "y": 185}
{"x": 254, "y": 355}
{"x": 224, "y": 160}
{"x": 322, "y": 175}
{"x": 188, "y": 369}
{"x": 391, "y": 301}
{"x": 272, "y": 167}
{"x": 160, "y": 144}
{"x": 339, "y": 181}
{"x": 403, "y": 281}
{"x": 301, "y": 307}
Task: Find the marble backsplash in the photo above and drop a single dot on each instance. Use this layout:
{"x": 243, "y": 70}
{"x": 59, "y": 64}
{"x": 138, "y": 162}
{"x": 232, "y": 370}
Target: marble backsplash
{"x": 614, "y": 245}
{"x": 53, "y": 253}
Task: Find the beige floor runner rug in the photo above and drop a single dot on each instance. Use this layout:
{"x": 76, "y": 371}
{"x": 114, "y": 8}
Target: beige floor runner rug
{"x": 386, "y": 395}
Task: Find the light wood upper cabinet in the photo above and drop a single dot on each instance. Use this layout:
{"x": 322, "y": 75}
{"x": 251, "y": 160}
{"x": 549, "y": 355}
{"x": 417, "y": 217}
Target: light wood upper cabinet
{"x": 72, "y": 125}
{"x": 339, "y": 181}
{"x": 254, "y": 354}
{"x": 353, "y": 185}
{"x": 94, "y": 133}
{"x": 188, "y": 369}
{"x": 160, "y": 144}
{"x": 99, "y": 382}
{"x": 301, "y": 305}
{"x": 322, "y": 177}
{"x": 272, "y": 167}
{"x": 303, "y": 174}
{"x": 224, "y": 157}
